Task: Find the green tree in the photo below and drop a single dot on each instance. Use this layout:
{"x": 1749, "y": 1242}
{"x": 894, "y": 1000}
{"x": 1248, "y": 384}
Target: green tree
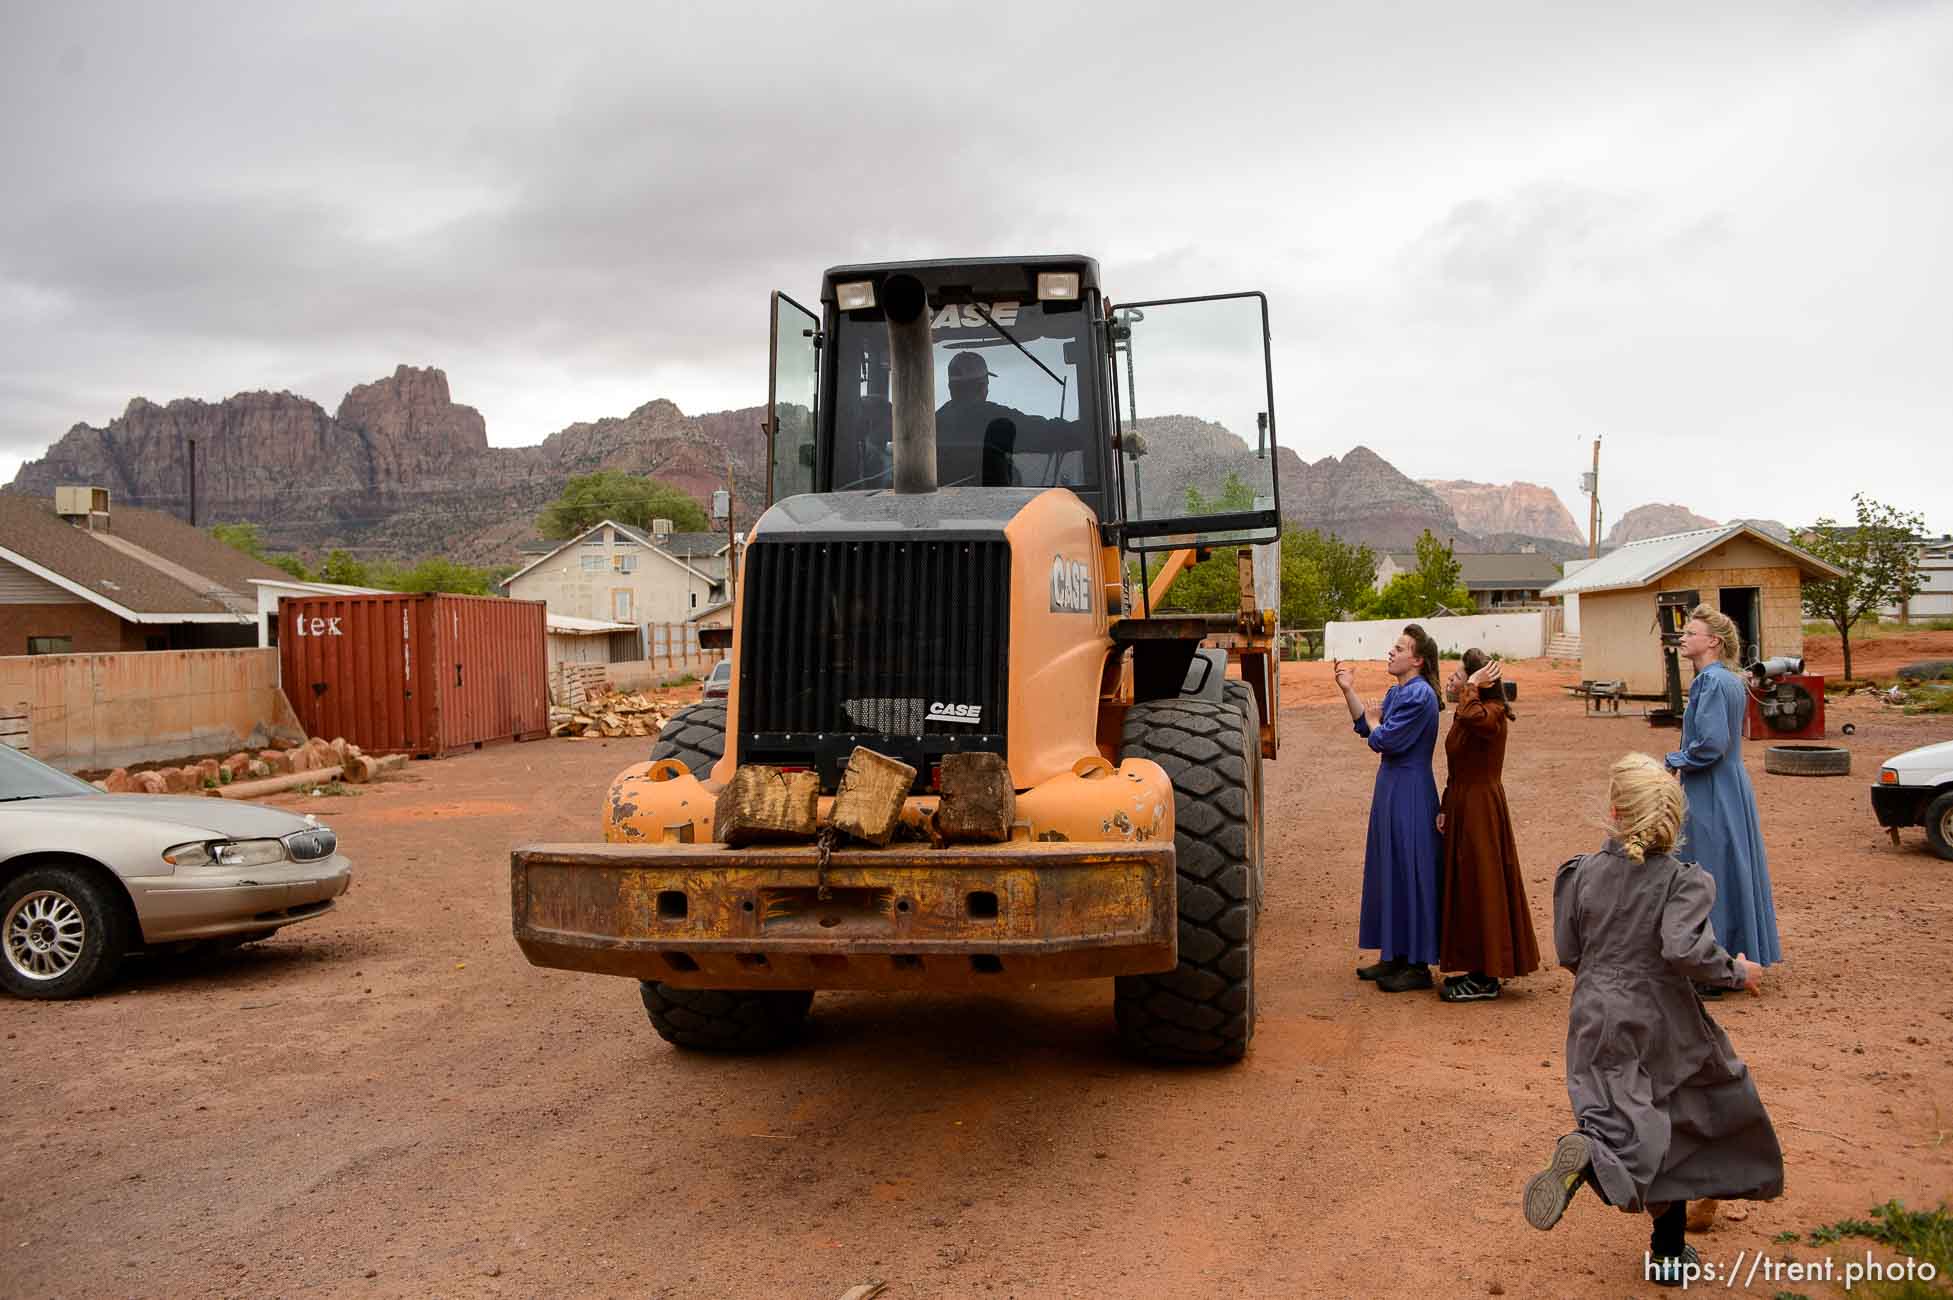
{"x": 343, "y": 569}
{"x": 629, "y": 499}
{"x": 291, "y": 564}
{"x": 437, "y": 573}
{"x": 1879, "y": 559}
{"x": 244, "y": 537}
{"x": 1437, "y": 572}
{"x": 1235, "y": 496}
{"x": 1339, "y": 574}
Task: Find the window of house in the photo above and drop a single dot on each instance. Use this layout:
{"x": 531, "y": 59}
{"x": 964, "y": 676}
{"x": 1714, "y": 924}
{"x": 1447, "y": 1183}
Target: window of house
{"x": 50, "y": 645}
{"x": 620, "y": 604}
{"x": 695, "y": 600}
{"x": 597, "y": 538}
{"x": 593, "y": 564}
{"x": 624, "y": 563}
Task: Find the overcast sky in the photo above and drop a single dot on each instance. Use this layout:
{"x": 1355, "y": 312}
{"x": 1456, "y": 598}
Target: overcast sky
{"x": 1719, "y": 235}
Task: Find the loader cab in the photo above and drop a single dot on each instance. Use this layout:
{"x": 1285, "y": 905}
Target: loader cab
{"x": 1158, "y": 415}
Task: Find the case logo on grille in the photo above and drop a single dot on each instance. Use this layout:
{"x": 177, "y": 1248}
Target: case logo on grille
{"x": 1071, "y": 586}
{"x": 968, "y": 715}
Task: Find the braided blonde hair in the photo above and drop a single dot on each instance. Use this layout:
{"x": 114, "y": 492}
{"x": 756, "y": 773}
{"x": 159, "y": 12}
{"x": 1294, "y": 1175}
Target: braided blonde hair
{"x": 1723, "y": 628}
{"x": 1648, "y": 806}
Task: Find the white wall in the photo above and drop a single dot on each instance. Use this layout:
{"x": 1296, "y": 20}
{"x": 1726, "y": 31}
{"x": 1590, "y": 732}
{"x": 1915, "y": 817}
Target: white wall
{"x": 1572, "y": 600}
{"x": 1519, "y": 635}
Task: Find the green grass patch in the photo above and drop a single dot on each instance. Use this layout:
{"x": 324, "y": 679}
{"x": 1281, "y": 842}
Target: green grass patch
{"x": 1924, "y": 1236}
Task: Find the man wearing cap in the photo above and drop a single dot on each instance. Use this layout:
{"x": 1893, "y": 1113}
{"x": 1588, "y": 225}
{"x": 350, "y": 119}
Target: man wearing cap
{"x": 975, "y": 436}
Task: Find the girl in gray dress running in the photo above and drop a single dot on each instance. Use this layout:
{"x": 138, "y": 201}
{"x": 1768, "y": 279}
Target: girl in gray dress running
{"x": 1666, "y": 1111}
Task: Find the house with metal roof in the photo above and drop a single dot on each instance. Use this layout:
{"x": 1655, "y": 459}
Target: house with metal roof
{"x": 1746, "y": 573}
{"x": 1495, "y": 579}
{"x": 616, "y": 573}
{"x": 77, "y": 577}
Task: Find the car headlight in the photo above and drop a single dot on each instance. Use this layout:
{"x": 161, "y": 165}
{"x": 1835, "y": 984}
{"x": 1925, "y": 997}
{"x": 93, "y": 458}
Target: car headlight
{"x": 1887, "y": 776}
{"x": 226, "y": 853}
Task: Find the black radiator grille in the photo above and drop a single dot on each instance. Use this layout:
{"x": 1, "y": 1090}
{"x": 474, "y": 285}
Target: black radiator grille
{"x": 901, "y": 645}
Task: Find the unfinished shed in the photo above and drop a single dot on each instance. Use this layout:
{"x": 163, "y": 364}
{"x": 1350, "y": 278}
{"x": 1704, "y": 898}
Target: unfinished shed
{"x": 1747, "y": 574}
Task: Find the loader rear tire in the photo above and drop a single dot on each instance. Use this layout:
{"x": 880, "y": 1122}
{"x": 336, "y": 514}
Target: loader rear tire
{"x": 726, "y": 1020}
{"x": 1242, "y": 697}
{"x": 695, "y": 736}
{"x": 1203, "y": 1010}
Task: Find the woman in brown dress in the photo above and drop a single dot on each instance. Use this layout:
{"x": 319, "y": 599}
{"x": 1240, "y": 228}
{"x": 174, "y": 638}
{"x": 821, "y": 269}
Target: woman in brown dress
{"x": 1487, "y": 930}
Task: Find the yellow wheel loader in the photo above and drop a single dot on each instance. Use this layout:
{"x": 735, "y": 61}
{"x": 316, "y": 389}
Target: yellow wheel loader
{"x": 964, "y": 748}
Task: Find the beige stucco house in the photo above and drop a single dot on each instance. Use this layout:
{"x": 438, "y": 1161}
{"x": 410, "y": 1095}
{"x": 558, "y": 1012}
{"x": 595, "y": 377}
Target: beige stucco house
{"x": 615, "y": 574}
{"x": 1749, "y": 575}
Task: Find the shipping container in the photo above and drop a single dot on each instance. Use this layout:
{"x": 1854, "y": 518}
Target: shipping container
{"x": 426, "y": 675}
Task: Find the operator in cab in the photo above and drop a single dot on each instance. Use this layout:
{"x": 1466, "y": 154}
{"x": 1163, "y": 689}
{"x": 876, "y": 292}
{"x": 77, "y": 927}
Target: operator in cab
{"x": 976, "y": 438}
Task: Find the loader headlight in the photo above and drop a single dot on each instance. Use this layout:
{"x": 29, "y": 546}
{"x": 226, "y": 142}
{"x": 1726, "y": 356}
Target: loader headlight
{"x": 855, "y": 295}
{"x": 1057, "y": 286}
{"x": 226, "y": 853}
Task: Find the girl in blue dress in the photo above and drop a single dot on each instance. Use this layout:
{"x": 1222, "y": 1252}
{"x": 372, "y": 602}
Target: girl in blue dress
{"x": 1722, "y": 833}
{"x": 1399, "y": 915}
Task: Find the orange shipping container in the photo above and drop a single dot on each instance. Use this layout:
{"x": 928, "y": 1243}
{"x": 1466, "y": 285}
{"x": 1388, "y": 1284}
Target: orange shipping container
{"x": 426, "y": 675}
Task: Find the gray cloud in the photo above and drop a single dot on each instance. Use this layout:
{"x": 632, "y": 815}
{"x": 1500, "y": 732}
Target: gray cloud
{"x": 1485, "y": 235}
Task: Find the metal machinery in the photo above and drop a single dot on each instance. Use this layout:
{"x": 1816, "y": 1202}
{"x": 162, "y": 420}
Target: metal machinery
{"x": 942, "y": 587}
{"x": 1671, "y": 619}
{"x": 1786, "y": 703}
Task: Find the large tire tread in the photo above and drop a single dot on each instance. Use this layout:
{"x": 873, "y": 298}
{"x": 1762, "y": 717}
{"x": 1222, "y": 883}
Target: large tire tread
{"x": 695, "y": 736}
{"x": 726, "y": 1020}
{"x": 1203, "y": 1010}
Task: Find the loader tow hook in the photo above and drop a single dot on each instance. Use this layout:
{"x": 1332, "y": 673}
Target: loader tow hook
{"x": 824, "y": 849}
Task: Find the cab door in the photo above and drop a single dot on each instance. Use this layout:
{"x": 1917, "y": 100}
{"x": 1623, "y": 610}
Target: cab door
{"x": 792, "y": 398}
{"x": 1194, "y": 414}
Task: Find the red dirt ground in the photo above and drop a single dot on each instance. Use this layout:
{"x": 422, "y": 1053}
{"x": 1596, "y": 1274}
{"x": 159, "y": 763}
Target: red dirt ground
{"x": 390, "y": 1102}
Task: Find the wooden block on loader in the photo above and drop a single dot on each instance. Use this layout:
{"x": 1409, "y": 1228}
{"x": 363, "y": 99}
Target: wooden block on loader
{"x": 868, "y": 806}
{"x": 764, "y": 803}
{"x": 978, "y": 804}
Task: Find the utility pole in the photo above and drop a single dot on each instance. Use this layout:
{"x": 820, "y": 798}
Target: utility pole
{"x": 722, "y": 509}
{"x": 193, "y": 482}
{"x": 1590, "y": 484}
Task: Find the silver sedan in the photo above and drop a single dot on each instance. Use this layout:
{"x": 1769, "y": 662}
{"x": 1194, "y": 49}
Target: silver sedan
{"x": 87, "y": 877}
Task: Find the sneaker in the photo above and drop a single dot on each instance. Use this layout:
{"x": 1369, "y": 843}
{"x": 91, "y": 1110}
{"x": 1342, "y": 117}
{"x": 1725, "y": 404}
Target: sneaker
{"x": 1405, "y": 978}
{"x": 1380, "y": 969}
{"x": 1673, "y": 1270}
{"x": 1469, "y": 988}
{"x": 1550, "y": 1191}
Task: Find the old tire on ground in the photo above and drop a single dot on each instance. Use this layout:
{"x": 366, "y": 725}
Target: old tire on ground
{"x": 1203, "y": 1009}
{"x": 726, "y": 1020}
{"x": 1242, "y": 697}
{"x": 1807, "y": 760}
{"x": 1939, "y": 825}
{"x": 63, "y": 932}
{"x": 695, "y": 736}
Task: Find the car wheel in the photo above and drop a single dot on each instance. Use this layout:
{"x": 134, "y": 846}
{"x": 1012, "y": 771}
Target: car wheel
{"x": 1939, "y": 825}
{"x": 63, "y": 933}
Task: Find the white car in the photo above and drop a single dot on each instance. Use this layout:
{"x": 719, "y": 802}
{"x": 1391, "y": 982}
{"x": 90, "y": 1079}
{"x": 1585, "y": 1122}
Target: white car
{"x": 87, "y": 877}
{"x": 1916, "y": 789}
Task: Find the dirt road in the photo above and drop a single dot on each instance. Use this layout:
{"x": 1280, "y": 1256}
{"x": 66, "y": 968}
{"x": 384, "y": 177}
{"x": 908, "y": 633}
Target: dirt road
{"x": 390, "y": 1102}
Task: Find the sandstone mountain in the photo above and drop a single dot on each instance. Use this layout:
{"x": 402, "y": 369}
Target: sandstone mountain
{"x": 1525, "y": 509}
{"x": 400, "y": 470}
{"x": 1653, "y": 520}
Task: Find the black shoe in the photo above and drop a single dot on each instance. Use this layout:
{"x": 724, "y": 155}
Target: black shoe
{"x": 1389, "y": 966}
{"x": 1469, "y": 988}
{"x": 1405, "y": 979}
{"x": 1550, "y": 1191}
{"x": 1710, "y": 992}
{"x": 1673, "y": 1270}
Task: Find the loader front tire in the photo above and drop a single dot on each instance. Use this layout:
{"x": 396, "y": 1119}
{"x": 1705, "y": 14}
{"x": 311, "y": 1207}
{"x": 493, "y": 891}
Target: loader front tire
{"x": 1242, "y": 697}
{"x": 695, "y": 736}
{"x": 1203, "y": 1010}
{"x": 726, "y": 1020}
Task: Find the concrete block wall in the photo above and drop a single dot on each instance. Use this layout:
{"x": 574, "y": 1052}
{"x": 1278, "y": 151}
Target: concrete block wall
{"x": 1520, "y": 635}
{"x": 92, "y": 712}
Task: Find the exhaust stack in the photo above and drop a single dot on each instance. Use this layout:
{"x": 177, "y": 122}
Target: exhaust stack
{"x": 912, "y": 383}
